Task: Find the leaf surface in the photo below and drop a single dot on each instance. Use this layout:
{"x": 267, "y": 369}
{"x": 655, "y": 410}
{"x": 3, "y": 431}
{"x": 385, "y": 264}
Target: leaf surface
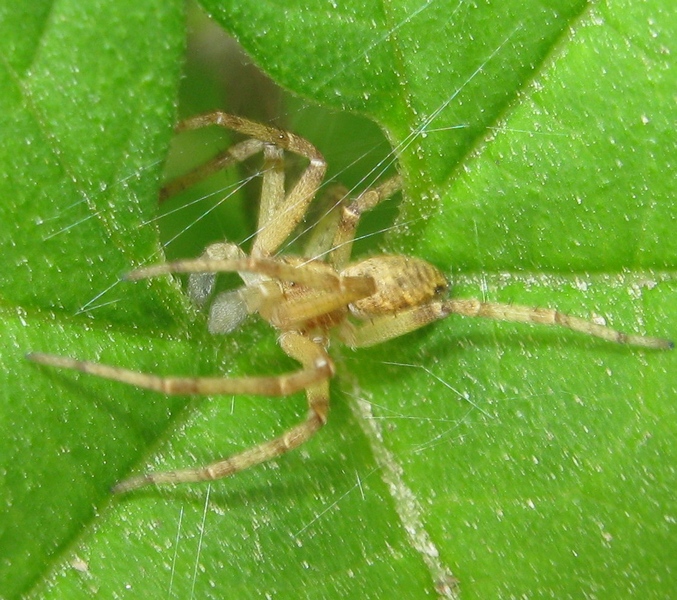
{"x": 537, "y": 145}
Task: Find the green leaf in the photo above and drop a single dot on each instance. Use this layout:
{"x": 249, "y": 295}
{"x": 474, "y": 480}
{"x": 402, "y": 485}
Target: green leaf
{"x": 86, "y": 114}
{"x": 538, "y": 149}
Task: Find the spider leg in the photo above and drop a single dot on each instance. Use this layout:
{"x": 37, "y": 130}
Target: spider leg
{"x": 326, "y": 280}
{"x": 321, "y": 236}
{"x": 292, "y": 312}
{"x": 279, "y": 385}
{"x": 350, "y": 218}
{"x": 551, "y": 317}
{"x": 289, "y": 212}
{"x": 272, "y": 185}
{"x": 387, "y": 327}
{"x": 328, "y": 291}
{"x": 313, "y": 357}
{"x": 234, "y": 154}
{"x": 265, "y": 266}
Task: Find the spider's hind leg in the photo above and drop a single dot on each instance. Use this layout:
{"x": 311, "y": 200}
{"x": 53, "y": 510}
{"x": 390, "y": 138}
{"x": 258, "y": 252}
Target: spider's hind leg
{"x": 386, "y": 327}
{"x": 314, "y": 359}
{"x": 550, "y": 317}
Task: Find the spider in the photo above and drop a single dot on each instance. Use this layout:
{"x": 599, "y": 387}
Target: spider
{"x": 305, "y": 299}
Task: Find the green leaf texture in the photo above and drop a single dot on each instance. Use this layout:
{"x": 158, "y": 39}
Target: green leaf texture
{"x": 473, "y": 457}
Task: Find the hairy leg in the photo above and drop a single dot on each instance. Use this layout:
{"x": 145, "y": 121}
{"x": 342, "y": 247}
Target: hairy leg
{"x": 387, "y": 327}
{"x": 313, "y": 357}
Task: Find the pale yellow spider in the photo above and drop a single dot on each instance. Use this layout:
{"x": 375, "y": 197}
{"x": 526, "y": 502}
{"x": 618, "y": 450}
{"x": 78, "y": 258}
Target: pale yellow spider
{"x": 305, "y": 298}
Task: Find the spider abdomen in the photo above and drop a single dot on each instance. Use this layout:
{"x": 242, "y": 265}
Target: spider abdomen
{"x": 402, "y": 282}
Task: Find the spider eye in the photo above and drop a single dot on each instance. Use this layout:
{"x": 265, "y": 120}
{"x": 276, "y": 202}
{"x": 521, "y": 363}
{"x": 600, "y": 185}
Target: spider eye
{"x": 440, "y": 289}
